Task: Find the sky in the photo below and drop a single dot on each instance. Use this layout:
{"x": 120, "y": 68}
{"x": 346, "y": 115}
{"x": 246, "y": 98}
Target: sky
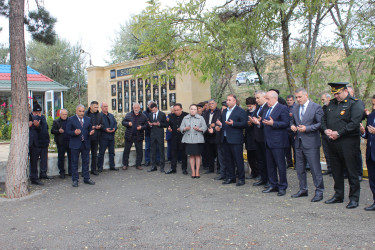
{"x": 92, "y": 23}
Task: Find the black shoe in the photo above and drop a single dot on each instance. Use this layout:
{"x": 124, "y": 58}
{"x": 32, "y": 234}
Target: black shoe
{"x": 352, "y": 204}
{"x": 300, "y": 193}
{"x": 327, "y": 172}
{"x": 147, "y": 164}
{"x": 158, "y": 163}
{"x": 197, "y": 177}
{"x": 75, "y": 184}
{"x": 100, "y": 170}
{"x": 162, "y": 170}
{"x": 193, "y": 177}
{"x": 317, "y": 198}
{"x": 240, "y": 183}
{"x": 94, "y": 172}
{"x": 370, "y": 208}
{"x": 152, "y": 169}
{"x": 250, "y": 177}
{"x": 185, "y": 172}
{"x": 209, "y": 172}
{"x": 46, "y": 177}
{"x": 267, "y": 185}
{"x": 219, "y": 178}
{"x": 37, "y": 182}
{"x": 171, "y": 171}
{"x": 281, "y": 192}
{"x": 270, "y": 189}
{"x": 259, "y": 183}
{"x": 113, "y": 169}
{"x": 334, "y": 200}
{"x": 90, "y": 182}
{"x": 62, "y": 176}
{"x": 229, "y": 181}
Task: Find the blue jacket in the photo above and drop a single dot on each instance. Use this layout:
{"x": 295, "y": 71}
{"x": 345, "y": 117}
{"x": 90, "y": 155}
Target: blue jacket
{"x": 108, "y": 121}
{"x": 76, "y": 140}
{"x": 234, "y": 133}
{"x": 370, "y": 150}
{"x": 276, "y": 136}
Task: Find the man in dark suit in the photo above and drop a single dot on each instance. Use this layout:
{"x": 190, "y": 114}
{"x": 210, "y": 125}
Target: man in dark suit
{"x": 40, "y": 150}
{"x": 233, "y": 121}
{"x": 177, "y": 147}
{"x": 249, "y": 139}
{"x": 220, "y": 150}
{"x": 290, "y": 160}
{"x": 211, "y": 138}
{"x": 96, "y": 123}
{"x": 325, "y": 98}
{"x": 259, "y": 138}
{"x": 305, "y": 123}
{"x": 79, "y": 128}
{"x": 157, "y": 122}
{"x": 275, "y": 121}
{"x": 369, "y": 134}
{"x": 107, "y": 138}
{"x": 62, "y": 142}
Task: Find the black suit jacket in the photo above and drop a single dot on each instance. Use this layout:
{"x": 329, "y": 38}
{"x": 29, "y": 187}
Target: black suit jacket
{"x": 234, "y": 133}
{"x": 215, "y": 136}
{"x": 258, "y": 131}
{"x": 157, "y": 132}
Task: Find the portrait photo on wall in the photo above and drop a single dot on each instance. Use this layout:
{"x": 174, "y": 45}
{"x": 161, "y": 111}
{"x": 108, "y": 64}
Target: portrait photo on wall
{"x": 140, "y": 83}
{"x": 119, "y": 85}
{"x": 134, "y": 97}
{"x": 172, "y": 99}
{"x": 132, "y": 84}
{"x": 120, "y": 105}
{"x": 147, "y": 84}
{"x": 172, "y": 83}
{"x": 126, "y": 106}
{"x": 126, "y": 84}
{"x": 126, "y": 95}
{"x": 164, "y": 104}
{"x": 140, "y": 95}
{"x": 141, "y": 105}
{"x": 164, "y": 91}
{"x": 113, "y": 89}
{"x": 156, "y": 92}
{"x": 113, "y": 104}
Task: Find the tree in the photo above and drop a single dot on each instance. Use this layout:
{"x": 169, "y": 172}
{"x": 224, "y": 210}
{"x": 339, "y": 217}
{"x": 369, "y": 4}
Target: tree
{"x": 4, "y": 54}
{"x": 61, "y": 62}
{"x": 16, "y": 180}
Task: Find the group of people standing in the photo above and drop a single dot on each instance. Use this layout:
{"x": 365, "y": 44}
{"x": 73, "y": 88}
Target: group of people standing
{"x": 270, "y": 128}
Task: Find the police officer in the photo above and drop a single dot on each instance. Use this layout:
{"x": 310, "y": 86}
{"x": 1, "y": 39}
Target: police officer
{"x": 341, "y": 124}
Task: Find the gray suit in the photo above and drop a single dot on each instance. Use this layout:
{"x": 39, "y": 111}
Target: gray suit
{"x": 308, "y": 145}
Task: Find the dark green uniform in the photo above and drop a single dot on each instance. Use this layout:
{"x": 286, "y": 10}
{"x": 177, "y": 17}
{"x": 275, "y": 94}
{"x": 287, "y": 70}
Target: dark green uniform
{"x": 344, "y": 117}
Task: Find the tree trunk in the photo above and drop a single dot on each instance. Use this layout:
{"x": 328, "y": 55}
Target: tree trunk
{"x": 16, "y": 180}
{"x": 370, "y": 81}
{"x": 286, "y": 53}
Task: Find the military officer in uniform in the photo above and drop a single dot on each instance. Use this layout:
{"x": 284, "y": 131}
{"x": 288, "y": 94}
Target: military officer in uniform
{"x": 341, "y": 124}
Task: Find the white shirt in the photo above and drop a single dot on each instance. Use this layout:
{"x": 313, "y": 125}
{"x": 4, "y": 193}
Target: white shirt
{"x": 272, "y": 109}
{"x": 304, "y": 108}
{"x": 79, "y": 119}
{"x": 229, "y": 111}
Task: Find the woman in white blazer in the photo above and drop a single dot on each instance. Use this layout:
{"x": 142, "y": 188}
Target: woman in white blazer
{"x": 193, "y": 127}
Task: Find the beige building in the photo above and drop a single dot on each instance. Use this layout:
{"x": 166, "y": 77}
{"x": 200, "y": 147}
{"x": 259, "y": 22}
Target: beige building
{"x": 115, "y": 85}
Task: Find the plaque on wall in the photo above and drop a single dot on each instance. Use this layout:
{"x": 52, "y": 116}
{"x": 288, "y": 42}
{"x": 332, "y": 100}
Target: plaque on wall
{"x": 140, "y": 83}
{"x": 126, "y": 95}
{"x": 164, "y": 91}
{"x": 148, "y": 95}
{"x": 134, "y": 97}
{"x": 113, "y": 104}
{"x": 172, "y": 99}
{"x": 113, "y": 89}
{"x": 132, "y": 84}
{"x": 172, "y": 83}
{"x": 119, "y": 86}
{"x": 120, "y": 105}
{"x": 147, "y": 84}
{"x": 113, "y": 73}
{"x": 140, "y": 95}
{"x": 141, "y": 105}
{"x": 164, "y": 104}
{"x": 156, "y": 93}
{"x": 126, "y": 107}
{"x": 126, "y": 84}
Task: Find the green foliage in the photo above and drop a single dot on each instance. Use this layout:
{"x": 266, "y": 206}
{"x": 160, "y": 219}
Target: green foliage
{"x": 41, "y": 26}
{"x": 63, "y": 63}
{"x": 4, "y": 54}
{"x": 120, "y": 132}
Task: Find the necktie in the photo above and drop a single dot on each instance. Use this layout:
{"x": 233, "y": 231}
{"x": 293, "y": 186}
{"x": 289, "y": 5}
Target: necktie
{"x": 268, "y": 113}
{"x": 80, "y": 121}
{"x": 302, "y": 111}
{"x": 260, "y": 108}
{"x": 154, "y": 116}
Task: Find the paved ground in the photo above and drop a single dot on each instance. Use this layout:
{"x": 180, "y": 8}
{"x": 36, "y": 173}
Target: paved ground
{"x": 136, "y": 209}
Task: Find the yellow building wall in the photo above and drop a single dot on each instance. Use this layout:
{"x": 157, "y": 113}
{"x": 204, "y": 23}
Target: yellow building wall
{"x": 188, "y": 88}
